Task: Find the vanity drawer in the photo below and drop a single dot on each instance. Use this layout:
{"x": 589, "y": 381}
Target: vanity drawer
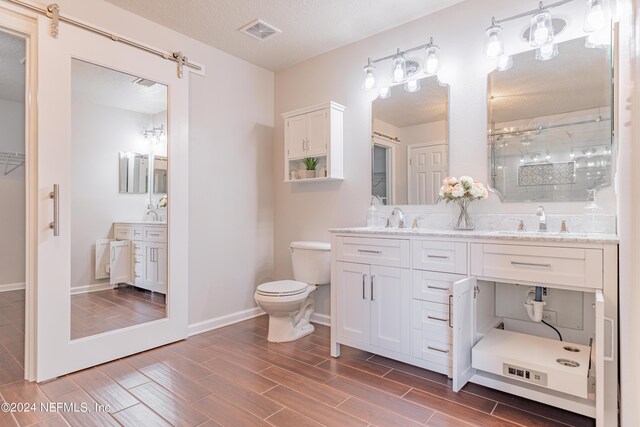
{"x": 539, "y": 264}
{"x": 155, "y": 234}
{"x": 432, "y": 318}
{"x": 386, "y": 252}
{"x": 435, "y": 287}
{"x": 426, "y": 348}
{"x": 122, "y": 232}
{"x": 138, "y": 249}
{"x": 444, "y": 257}
{"x": 138, "y": 233}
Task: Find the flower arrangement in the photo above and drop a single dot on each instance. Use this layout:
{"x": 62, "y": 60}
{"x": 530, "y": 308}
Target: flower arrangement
{"x": 463, "y": 191}
{"x": 454, "y": 189}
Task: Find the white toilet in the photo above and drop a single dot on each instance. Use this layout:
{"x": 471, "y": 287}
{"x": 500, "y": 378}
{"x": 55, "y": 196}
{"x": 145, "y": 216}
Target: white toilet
{"x": 287, "y": 302}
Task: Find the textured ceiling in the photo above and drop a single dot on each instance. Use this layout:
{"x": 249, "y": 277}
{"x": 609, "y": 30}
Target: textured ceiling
{"x": 402, "y": 109}
{"x": 12, "y": 52}
{"x": 104, "y": 86}
{"x": 309, "y": 27}
{"x": 576, "y": 79}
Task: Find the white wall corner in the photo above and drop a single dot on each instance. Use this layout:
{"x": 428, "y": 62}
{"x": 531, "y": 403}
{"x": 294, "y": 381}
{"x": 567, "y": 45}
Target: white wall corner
{"x": 222, "y": 321}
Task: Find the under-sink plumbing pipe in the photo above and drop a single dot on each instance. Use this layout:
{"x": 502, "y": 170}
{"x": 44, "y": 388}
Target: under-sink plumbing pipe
{"x": 534, "y": 304}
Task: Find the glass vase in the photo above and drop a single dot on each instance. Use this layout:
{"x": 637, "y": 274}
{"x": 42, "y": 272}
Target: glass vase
{"x": 462, "y": 219}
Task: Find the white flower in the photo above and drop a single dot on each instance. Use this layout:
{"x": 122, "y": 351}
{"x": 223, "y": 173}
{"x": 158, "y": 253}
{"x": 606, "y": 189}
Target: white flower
{"x": 442, "y": 192}
{"x": 477, "y": 191}
{"x": 467, "y": 182}
{"x": 458, "y": 191}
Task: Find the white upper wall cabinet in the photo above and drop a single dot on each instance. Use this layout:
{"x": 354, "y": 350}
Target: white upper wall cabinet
{"x": 313, "y": 143}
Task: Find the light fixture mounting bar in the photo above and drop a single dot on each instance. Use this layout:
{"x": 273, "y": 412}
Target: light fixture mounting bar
{"x": 401, "y": 52}
{"x": 533, "y": 11}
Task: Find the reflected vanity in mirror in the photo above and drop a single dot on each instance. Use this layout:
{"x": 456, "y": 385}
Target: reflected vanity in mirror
{"x": 410, "y": 143}
{"x": 550, "y": 134}
{"x": 118, "y": 233}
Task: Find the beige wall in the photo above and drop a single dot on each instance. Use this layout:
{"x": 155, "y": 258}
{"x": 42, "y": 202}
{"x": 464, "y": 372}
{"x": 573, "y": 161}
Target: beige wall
{"x": 307, "y": 211}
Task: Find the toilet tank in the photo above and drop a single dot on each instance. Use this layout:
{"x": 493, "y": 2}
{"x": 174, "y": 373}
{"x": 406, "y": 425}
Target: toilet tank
{"x": 311, "y": 262}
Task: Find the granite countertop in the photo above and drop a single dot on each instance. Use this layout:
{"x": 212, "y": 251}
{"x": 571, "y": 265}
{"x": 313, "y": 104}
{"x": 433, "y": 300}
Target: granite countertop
{"x": 484, "y": 234}
{"x": 141, "y": 222}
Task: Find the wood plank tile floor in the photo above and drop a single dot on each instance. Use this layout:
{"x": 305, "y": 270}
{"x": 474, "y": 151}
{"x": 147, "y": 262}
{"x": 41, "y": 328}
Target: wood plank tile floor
{"x": 97, "y": 312}
{"x": 234, "y": 377}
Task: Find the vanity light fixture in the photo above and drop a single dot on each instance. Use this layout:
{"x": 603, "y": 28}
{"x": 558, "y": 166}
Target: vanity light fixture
{"x": 495, "y": 44}
{"x": 541, "y": 32}
{"x": 369, "y": 78}
{"x": 412, "y": 86}
{"x": 398, "y": 68}
{"x": 402, "y": 69}
{"x": 597, "y": 15}
{"x": 598, "y": 40}
{"x": 431, "y": 62}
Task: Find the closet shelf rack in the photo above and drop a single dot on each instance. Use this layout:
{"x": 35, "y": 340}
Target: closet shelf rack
{"x": 11, "y": 161}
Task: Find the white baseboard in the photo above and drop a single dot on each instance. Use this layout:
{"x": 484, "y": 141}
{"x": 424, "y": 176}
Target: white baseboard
{"x": 321, "y": 319}
{"x": 226, "y": 320}
{"x": 12, "y": 287}
{"x": 91, "y": 288}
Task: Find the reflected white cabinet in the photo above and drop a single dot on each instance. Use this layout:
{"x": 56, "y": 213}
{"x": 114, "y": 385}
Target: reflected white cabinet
{"x": 148, "y": 257}
{"x": 314, "y": 132}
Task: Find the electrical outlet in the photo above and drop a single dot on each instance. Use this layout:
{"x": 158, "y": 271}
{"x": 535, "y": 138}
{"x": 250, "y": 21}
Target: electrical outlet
{"x": 550, "y": 316}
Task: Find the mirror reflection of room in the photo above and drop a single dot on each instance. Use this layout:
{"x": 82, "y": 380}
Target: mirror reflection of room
{"x": 119, "y": 200}
{"x": 12, "y": 212}
{"x": 550, "y": 125}
{"x": 410, "y": 147}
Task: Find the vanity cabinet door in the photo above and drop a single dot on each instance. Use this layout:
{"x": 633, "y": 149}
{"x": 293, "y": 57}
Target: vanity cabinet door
{"x": 463, "y": 307}
{"x": 161, "y": 265}
{"x": 120, "y": 261}
{"x": 317, "y": 133}
{"x": 296, "y": 135}
{"x": 354, "y": 308}
{"x": 390, "y": 296}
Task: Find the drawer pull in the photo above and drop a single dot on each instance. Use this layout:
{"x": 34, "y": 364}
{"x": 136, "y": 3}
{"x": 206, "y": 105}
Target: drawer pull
{"x": 154, "y": 234}
{"x": 530, "y": 264}
{"x": 368, "y": 251}
{"x": 451, "y": 311}
{"x": 437, "y": 287}
{"x": 437, "y": 349}
{"x": 439, "y": 319}
{"x": 364, "y": 278}
{"x": 438, "y": 256}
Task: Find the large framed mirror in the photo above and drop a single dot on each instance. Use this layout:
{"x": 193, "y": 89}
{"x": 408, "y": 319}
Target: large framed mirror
{"x": 550, "y": 127}
{"x": 410, "y": 143}
{"x": 119, "y": 252}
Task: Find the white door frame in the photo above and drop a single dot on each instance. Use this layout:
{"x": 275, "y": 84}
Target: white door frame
{"x": 14, "y": 21}
{"x": 420, "y": 145}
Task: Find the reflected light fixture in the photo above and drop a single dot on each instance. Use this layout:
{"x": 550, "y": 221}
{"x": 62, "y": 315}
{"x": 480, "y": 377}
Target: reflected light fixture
{"x": 547, "y": 52}
{"x": 505, "y": 63}
{"x": 155, "y": 134}
{"x": 412, "y": 86}
{"x": 369, "y": 76}
{"x": 398, "y": 68}
{"x": 495, "y": 44}
{"x": 599, "y": 39}
{"x": 431, "y": 61}
{"x": 541, "y": 32}
{"x": 385, "y": 92}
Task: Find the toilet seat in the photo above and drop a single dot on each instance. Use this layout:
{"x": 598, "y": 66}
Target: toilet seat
{"x": 282, "y": 288}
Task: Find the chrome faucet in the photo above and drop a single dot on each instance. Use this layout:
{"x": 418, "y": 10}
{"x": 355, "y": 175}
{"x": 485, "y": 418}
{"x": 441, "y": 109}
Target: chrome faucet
{"x": 400, "y": 214}
{"x": 156, "y": 217}
{"x": 543, "y": 219}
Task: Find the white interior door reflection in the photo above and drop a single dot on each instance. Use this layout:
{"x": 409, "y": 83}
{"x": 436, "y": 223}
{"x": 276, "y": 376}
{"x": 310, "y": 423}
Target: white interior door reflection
{"x": 109, "y": 283}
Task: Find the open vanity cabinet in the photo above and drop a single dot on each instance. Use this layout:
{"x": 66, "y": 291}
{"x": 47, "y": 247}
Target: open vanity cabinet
{"x": 445, "y": 303}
